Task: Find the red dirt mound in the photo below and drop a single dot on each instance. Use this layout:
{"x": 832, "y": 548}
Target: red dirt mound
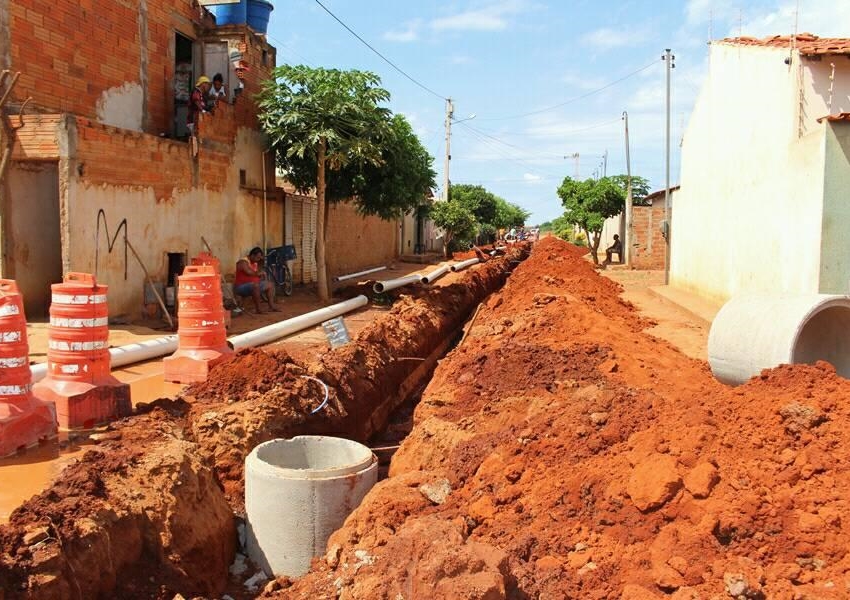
{"x": 560, "y": 452}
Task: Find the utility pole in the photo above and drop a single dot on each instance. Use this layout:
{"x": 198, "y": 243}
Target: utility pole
{"x": 627, "y": 241}
{"x": 668, "y": 58}
{"x": 575, "y": 157}
{"x": 605, "y": 164}
{"x": 450, "y": 109}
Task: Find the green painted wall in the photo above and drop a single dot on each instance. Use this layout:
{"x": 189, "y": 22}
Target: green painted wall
{"x": 835, "y": 236}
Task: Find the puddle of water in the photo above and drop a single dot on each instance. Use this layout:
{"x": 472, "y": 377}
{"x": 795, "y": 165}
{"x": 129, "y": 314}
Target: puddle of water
{"x": 30, "y": 472}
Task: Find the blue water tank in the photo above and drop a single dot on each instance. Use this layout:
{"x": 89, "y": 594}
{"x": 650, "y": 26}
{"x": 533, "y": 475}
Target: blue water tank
{"x": 230, "y": 14}
{"x": 259, "y": 12}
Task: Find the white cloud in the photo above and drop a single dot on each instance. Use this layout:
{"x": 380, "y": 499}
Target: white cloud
{"x": 531, "y": 177}
{"x": 408, "y": 33}
{"x": 494, "y": 16}
{"x": 461, "y": 60}
{"x": 607, "y": 38}
{"x": 825, "y": 18}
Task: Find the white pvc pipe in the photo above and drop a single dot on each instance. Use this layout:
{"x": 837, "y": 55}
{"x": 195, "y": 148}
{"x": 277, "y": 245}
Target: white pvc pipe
{"x": 756, "y": 332}
{"x": 436, "y": 273}
{"x": 466, "y": 263}
{"x": 125, "y": 355}
{"x": 297, "y": 493}
{"x": 391, "y": 284}
{"x": 135, "y": 353}
{"x": 270, "y": 333}
{"x": 358, "y": 274}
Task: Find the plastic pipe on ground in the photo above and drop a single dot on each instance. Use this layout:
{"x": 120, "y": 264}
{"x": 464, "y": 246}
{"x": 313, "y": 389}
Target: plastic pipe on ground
{"x": 297, "y": 493}
{"x": 126, "y": 355}
{"x": 358, "y": 274}
{"x": 391, "y": 284}
{"x": 270, "y": 333}
{"x": 756, "y": 332}
{"x": 463, "y": 264}
{"x": 134, "y": 353}
{"x": 436, "y": 273}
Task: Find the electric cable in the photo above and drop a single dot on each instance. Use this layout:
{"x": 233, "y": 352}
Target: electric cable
{"x": 384, "y": 58}
{"x": 571, "y": 100}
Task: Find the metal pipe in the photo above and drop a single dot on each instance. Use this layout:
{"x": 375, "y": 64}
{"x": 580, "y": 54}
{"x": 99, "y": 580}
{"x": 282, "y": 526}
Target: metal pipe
{"x": 385, "y": 286}
{"x": 466, "y": 263}
{"x": 436, "y": 273}
{"x": 265, "y": 205}
{"x": 358, "y": 274}
{"x": 270, "y": 333}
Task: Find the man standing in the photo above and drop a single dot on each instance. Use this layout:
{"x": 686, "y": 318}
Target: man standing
{"x": 197, "y": 103}
{"x": 251, "y": 281}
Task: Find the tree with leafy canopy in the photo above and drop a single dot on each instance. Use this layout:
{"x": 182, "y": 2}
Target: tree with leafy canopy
{"x": 640, "y": 187}
{"x": 322, "y": 120}
{"x": 509, "y": 215}
{"x": 476, "y": 199}
{"x": 588, "y": 203}
{"x": 456, "y": 220}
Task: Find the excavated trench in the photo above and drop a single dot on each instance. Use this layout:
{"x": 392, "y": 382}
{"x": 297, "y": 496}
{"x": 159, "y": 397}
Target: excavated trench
{"x": 149, "y": 512}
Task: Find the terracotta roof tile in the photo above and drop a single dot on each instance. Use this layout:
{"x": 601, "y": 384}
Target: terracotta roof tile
{"x": 845, "y": 116}
{"x": 806, "y": 43}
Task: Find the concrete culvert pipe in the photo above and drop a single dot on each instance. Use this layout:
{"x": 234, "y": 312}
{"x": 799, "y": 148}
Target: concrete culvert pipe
{"x": 297, "y": 493}
{"x": 752, "y": 333}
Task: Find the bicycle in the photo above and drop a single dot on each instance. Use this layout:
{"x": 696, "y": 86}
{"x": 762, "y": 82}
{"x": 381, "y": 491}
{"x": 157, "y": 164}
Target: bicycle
{"x": 277, "y": 269}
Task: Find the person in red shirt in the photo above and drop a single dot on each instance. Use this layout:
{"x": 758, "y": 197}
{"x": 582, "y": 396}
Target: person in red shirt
{"x": 251, "y": 281}
{"x": 197, "y": 102}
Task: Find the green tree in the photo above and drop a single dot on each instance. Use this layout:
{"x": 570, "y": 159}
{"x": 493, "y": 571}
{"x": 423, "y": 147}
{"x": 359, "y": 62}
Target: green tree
{"x": 588, "y": 203}
{"x": 509, "y": 215}
{"x": 321, "y": 120}
{"x": 456, "y": 220}
{"x": 401, "y": 182}
{"x": 640, "y": 187}
{"x": 476, "y": 199}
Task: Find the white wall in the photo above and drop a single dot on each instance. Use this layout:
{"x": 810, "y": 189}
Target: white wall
{"x": 749, "y": 211}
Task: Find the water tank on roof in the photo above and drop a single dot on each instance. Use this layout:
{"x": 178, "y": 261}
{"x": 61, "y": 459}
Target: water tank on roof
{"x": 259, "y": 12}
{"x": 234, "y": 13}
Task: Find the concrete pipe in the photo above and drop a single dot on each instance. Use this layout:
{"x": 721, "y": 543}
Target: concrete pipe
{"x": 752, "y": 333}
{"x": 297, "y": 493}
{"x": 390, "y": 284}
{"x": 463, "y": 264}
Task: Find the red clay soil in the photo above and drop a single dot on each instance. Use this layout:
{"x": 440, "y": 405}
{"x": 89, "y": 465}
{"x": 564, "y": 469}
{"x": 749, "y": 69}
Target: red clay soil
{"x": 255, "y": 397}
{"x": 146, "y": 514}
{"x": 142, "y": 503}
{"x": 560, "y": 452}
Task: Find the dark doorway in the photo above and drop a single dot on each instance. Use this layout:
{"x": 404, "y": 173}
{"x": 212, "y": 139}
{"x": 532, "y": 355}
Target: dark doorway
{"x": 33, "y": 238}
{"x": 184, "y": 82}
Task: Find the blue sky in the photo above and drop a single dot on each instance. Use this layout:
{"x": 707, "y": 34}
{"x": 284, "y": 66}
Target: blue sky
{"x": 510, "y": 62}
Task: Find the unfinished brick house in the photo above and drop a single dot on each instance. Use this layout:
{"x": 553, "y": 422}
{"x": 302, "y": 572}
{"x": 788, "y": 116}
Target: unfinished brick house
{"x": 100, "y": 151}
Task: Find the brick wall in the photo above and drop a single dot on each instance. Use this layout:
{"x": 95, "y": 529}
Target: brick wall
{"x": 37, "y": 139}
{"x": 356, "y": 242}
{"x": 70, "y": 52}
{"x": 648, "y": 243}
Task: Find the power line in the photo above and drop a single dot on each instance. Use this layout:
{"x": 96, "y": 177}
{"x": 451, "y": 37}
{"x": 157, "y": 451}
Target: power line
{"x": 384, "y": 58}
{"x": 558, "y": 133}
{"x": 571, "y": 100}
{"x": 516, "y": 160}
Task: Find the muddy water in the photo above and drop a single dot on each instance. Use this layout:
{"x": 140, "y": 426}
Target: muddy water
{"x": 30, "y": 472}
